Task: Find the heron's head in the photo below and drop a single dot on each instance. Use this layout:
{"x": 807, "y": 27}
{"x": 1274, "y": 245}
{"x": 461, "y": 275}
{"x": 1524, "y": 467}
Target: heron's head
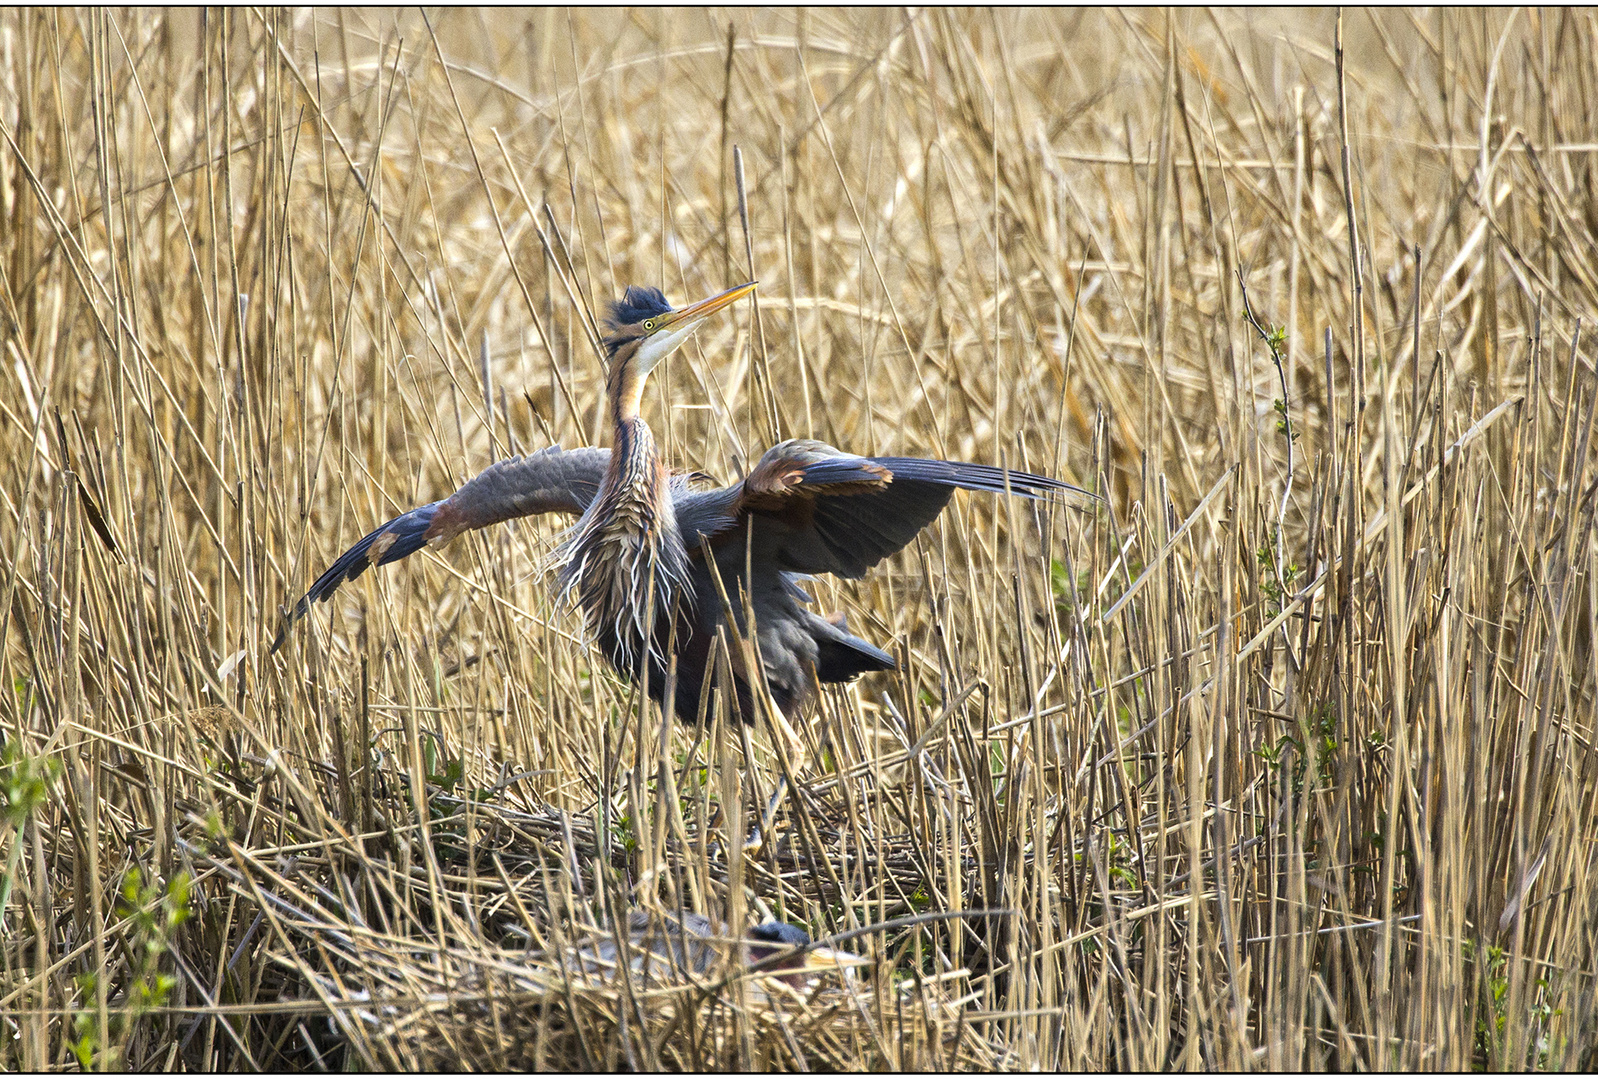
{"x": 769, "y": 939}
{"x": 644, "y": 329}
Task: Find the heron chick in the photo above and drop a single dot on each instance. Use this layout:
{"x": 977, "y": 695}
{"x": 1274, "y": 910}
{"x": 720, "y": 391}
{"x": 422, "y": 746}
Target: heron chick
{"x": 662, "y": 950}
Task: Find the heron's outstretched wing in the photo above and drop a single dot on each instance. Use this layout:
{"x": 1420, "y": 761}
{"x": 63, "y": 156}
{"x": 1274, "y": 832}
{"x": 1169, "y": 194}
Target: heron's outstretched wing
{"x": 551, "y": 480}
{"x": 818, "y": 510}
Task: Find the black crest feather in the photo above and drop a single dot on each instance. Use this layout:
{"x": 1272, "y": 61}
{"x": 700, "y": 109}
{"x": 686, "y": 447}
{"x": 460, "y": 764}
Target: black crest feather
{"x": 638, "y": 304}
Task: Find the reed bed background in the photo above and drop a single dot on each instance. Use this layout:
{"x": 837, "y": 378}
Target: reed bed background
{"x": 1280, "y": 758}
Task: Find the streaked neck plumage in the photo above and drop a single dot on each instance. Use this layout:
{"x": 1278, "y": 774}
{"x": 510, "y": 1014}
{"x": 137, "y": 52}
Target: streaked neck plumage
{"x": 628, "y": 540}
{"x": 636, "y": 472}
{"x": 624, "y": 386}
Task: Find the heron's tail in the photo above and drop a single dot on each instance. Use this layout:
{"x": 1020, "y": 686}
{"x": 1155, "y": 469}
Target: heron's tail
{"x": 840, "y": 656}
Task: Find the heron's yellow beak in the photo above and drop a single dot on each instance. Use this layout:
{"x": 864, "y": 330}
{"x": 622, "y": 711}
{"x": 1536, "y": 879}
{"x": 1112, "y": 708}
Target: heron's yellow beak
{"x": 834, "y": 960}
{"x": 701, "y": 309}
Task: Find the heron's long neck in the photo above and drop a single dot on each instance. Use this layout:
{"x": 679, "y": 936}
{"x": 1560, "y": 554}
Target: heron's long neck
{"x": 624, "y": 389}
{"x": 627, "y": 541}
{"x": 635, "y": 470}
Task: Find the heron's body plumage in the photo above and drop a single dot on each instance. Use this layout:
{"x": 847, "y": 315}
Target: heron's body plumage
{"x": 660, "y": 567}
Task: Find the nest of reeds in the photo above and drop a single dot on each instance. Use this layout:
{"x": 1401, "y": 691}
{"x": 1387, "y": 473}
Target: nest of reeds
{"x": 509, "y": 1010}
{"x": 409, "y": 961}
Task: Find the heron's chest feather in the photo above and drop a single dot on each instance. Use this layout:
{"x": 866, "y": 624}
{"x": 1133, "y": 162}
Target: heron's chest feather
{"x": 632, "y": 531}
{"x": 624, "y": 565}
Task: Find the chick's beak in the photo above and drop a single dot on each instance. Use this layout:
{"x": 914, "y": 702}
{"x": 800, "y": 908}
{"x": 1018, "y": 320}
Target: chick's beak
{"x": 835, "y": 959}
{"x": 819, "y": 962}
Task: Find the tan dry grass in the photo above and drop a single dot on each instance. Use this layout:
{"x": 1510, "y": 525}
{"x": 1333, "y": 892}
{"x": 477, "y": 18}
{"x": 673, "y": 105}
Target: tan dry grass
{"x": 1283, "y": 760}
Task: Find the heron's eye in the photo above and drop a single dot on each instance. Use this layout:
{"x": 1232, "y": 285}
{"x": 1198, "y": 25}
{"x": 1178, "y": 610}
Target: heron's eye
{"x": 649, "y": 324}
